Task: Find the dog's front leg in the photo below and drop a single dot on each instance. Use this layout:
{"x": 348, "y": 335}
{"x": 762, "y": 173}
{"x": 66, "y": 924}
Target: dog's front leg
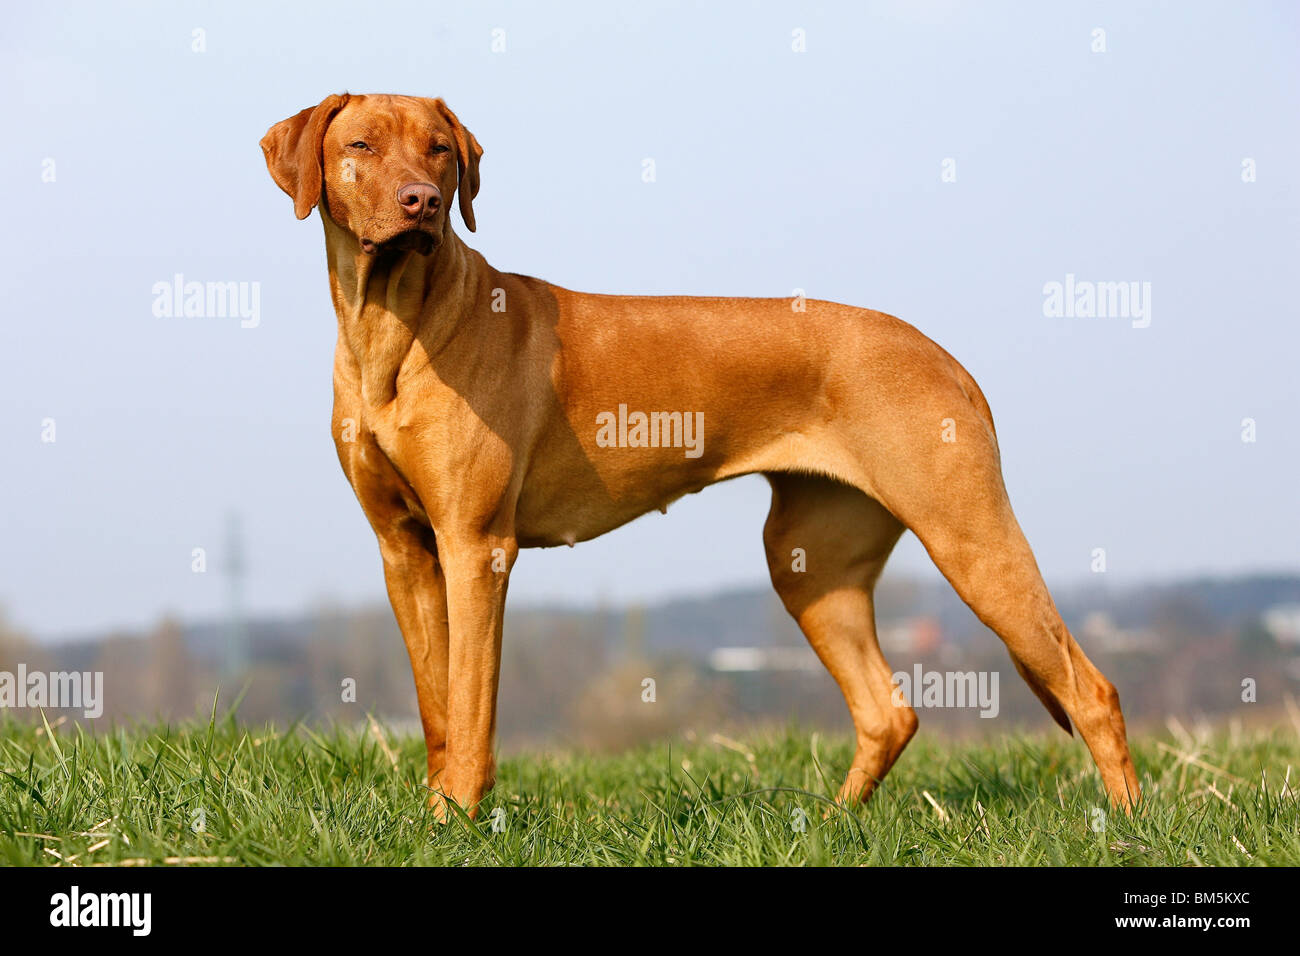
{"x": 418, "y": 594}
{"x": 477, "y": 569}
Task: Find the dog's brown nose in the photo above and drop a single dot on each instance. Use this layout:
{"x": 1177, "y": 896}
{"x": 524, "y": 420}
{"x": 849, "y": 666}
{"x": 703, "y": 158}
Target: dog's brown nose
{"x": 419, "y": 199}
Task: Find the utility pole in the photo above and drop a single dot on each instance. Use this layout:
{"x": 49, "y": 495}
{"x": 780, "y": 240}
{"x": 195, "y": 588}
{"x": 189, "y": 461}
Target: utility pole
{"x": 236, "y": 626}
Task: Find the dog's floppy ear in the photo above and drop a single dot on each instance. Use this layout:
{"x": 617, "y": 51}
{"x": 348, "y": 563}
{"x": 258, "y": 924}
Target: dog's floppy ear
{"x": 468, "y": 153}
{"x": 293, "y": 150}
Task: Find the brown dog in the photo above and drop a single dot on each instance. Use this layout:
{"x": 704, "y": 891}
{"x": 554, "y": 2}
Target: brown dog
{"x": 477, "y": 412}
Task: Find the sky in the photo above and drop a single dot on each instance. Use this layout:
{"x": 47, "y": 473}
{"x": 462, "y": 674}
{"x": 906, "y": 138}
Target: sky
{"x": 942, "y": 162}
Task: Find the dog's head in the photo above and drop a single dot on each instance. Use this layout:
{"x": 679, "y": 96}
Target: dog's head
{"x": 383, "y": 167}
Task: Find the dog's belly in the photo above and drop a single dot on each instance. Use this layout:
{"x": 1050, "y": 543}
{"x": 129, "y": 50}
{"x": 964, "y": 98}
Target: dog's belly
{"x": 580, "y": 495}
{"x": 556, "y": 509}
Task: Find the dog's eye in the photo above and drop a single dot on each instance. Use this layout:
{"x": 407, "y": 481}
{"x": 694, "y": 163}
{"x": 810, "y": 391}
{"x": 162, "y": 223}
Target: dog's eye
{"x": 358, "y": 145}
{"x": 439, "y": 149}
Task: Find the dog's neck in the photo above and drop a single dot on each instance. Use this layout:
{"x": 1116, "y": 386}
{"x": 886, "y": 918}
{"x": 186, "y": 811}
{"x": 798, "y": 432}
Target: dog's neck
{"x": 389, "y": 303}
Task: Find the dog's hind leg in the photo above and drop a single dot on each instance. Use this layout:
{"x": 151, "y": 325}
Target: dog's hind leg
{"x": 954, "y": 500}
{"x": 990, "y": 565}
{"x": 826, "y": 544}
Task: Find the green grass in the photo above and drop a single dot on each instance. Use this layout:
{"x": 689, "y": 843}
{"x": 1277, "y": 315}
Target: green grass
{"x": 334, "y": 798}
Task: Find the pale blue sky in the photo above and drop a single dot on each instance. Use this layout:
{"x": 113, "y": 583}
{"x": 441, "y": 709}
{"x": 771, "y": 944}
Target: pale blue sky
{"x": 776, "y": 170}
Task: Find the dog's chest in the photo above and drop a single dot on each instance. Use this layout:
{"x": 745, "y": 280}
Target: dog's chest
{"x": 384, "y": 491}
{"x": 423, "y": 453}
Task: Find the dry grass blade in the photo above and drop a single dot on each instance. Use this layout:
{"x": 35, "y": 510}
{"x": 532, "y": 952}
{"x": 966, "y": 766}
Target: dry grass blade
{"x": 741, "y": 749}
{"x": 1195, "y": 761}
{"x": 378, "y": 734}
{"x": 943, "y": 814}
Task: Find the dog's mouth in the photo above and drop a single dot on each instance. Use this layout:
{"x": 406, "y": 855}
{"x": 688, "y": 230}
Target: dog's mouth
{"x": 416, "y": 239}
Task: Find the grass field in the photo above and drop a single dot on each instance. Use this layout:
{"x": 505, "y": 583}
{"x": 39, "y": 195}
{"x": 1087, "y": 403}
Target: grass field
{"x": 223, "y": 793}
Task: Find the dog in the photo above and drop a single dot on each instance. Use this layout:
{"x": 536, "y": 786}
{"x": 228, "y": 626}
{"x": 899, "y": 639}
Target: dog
{"x": 478, "y": 412}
